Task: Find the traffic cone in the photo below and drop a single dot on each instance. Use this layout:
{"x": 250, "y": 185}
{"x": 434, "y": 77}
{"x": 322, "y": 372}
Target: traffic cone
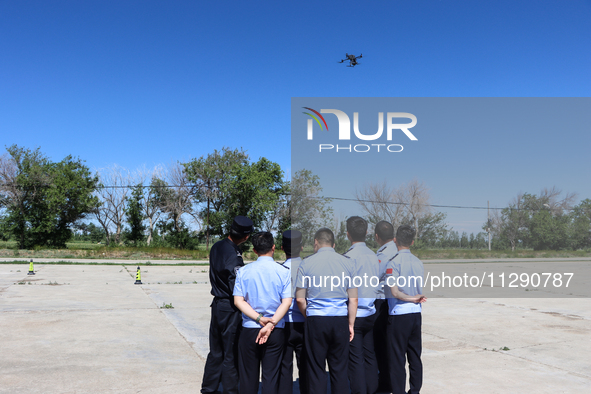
{"x": 31, "y": 271}
{"x": 138, "y": 277}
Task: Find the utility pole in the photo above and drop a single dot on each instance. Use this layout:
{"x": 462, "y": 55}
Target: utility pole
{"x": 488, "y": 222}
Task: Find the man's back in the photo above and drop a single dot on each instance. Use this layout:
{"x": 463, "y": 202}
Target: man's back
{"x": 224, "y": 257}
{"x": 263, "y": 284}
{"x": 366, "y": 266}
{"x": 317, "y": 274}
{"x": 406, "y": 270}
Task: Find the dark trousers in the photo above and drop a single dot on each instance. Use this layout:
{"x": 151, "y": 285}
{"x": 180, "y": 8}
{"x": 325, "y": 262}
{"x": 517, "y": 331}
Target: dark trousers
{"x": 222, "y": 360}
{"x": 251, "y": 356}
{"x": 379, "y": 340}
{"x": 327, "y": 340}
{"x": 294, "y": 335}
{"x": 404, "y": 341}
{"x": 363, "y": 367}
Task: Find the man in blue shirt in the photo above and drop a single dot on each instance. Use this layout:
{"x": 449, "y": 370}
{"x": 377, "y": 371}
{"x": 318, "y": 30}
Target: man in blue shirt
{"x": 404, "y": 276}
{"x": 263, "y": 295}
{"x": 291, "y": 244}
{"x": 326, "y": 296}
{"x": 224, "y": 259}
{"x": 363, "y": 368}
{"x": 384, "y": 236}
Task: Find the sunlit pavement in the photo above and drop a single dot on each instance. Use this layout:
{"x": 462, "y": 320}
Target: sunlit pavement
{"x": 88, "y": 328}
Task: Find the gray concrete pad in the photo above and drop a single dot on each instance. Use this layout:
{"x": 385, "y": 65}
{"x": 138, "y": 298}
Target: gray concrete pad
{"x": 89, "y": 329}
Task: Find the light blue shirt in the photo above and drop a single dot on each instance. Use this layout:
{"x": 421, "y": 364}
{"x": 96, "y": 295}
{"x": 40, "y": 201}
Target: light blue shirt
{"x": 409, "y": 269}
{"x": 263, "y": 284}
{"x": 367, "y": 266}
{"x": 385, "y": 253}
{"x": 293, "y": 314}
{"x": 319, "y": 274}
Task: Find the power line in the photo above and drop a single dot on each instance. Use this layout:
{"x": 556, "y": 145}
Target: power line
{"x": 191, "y": 186}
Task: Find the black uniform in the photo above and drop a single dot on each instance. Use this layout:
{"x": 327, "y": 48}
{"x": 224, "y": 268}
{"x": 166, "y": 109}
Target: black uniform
{"x": 222, "y": 362}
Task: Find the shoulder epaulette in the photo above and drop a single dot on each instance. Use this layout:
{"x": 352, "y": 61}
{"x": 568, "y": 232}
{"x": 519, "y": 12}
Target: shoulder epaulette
{"x": 309, "y": 256}
{"x": 283, "y": 265}
{"x": 382, "y": 248}
{"x": 344, "y": 255}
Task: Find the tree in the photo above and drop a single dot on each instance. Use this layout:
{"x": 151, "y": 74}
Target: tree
{"x": 580, "y": 226}
{"x": 44, "y": 199}
{"x": 227, "y": 185}
{"x": 134, "y": 216}
{"x": 210, "y": 174}
{"x": 407, "y": 204}
{"x": 112, "y": 194}
{"x": 464, "y": 243}
{"x": 151, "y": 207}
{"x": 432, "y": 228}
{"x": 381, "y": 202}
{"x": 173, "y": 196}
{"x": 535, "y": 221}
{"x": 307, "y": 210}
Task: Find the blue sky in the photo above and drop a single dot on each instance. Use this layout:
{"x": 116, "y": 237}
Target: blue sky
{"x": 147, "y": 82}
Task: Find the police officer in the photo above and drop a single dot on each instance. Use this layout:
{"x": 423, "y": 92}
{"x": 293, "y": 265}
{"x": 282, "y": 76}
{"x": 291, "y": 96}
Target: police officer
{"x": 363, "y": 368}
{"x": 384, "y": 236}
{"x": 330, "y": 307}
{"x": 291, "y": 244}
{"x": 224, "y": 260}
{"x": 263, "y": 295}
{"x": 404, "y": 276}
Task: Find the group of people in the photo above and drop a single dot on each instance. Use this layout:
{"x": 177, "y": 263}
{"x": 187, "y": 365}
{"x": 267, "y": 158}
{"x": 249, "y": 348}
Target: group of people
{"x": 359, "y": 312}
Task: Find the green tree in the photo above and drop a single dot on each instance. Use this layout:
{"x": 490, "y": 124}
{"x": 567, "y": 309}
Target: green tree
{"x": 45, "y": 199}
{"x": 227, "y": 185}
{"x": 307, "y": 211}
{"x": 135, "y": 218}
{"x": 580, "y": 226}
{"x": 433, "y": 230}
{"x": 211, "y": 174}
{"x": 464, "y": 243}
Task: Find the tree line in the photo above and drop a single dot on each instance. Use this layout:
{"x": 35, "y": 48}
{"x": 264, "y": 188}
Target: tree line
{"x": 546, "y": 221}
{"x": 45, "y": 203}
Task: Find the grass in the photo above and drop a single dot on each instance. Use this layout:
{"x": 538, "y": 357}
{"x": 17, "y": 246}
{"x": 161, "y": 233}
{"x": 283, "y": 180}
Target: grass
{"x": 89, "y": 250}
{"x": 167, "y": 306}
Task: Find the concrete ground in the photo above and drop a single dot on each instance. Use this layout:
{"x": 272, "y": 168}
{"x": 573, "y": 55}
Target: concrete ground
{"x": 89, "y": 329}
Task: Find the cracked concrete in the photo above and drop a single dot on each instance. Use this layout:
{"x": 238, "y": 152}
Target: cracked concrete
{"x": 89, "y": 329}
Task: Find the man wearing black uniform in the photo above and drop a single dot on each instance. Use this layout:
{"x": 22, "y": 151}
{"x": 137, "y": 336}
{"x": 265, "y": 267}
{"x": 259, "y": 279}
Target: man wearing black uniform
{"x": 224, "y": 260}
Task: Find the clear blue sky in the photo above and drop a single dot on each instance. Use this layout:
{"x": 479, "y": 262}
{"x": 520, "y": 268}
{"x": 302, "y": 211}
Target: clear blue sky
{"x": 148, "y": 82}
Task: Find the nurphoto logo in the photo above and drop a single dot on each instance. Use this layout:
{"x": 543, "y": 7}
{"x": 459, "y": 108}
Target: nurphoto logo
{"x": 345, "y": 130}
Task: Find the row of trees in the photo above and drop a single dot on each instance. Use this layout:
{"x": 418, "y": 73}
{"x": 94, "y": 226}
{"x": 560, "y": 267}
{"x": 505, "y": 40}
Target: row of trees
{"x": 548, "y": 220}
{"x": 42, "y": 203}
{"x": 204, "y": 194}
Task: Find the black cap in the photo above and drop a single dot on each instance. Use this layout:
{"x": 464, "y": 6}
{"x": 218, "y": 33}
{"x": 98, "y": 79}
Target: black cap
{"x": 242, "y": 225}
{"x": 291, "y": 240}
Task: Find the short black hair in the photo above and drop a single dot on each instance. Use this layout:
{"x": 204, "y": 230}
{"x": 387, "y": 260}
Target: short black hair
{"x": 384, "y": 230}
{"x": 324, "y": 236}
{"x": 357, "y": 228}
{"x": 405, "y": 234}
{"x": 262, "y": 242}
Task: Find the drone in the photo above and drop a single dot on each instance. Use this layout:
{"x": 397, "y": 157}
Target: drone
{"x": 352, "y": 60}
